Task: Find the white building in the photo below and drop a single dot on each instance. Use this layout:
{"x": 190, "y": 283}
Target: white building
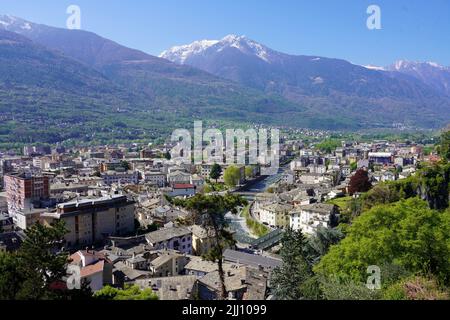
{"x": 178, "y": 177}
{"x": 95, "y": 269}
{"x": 275, "y": 215}
{"x": 116, "y": 177}
{"x": 155, "y": 178}
{"x": 176, "y": 238}
{"x": 310, "y": 217}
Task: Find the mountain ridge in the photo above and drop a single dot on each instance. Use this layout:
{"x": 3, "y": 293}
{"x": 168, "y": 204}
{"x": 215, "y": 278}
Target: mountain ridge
{"x": 307, "y": 79}
{"x": 150, "y": 96}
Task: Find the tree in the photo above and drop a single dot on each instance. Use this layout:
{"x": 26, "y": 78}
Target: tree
{"x": 248, "y": 172}
{"x": 216, "y": 172}
{"x": 353, "y": 166}
{"x": 434, "y": 185}
{"x": 10, "y": 276}
{"x": 335, "y": 288}
{"x": 167, "y": 155}
{"x": 415, "y": 288}
{"x": 209, "y": 212}
{"x": 125, "y": 164}
{"x": 37, "y": 269}
{"x": 232, "y": 176}
{"x": 40, "y": 261}
{"x": 407, "y": 233}
{"x": 444, "y": 146}
{"x": 328, "y": 145}
{"x": 129, "y": 293}
{"x": 318, "y": 245}
{"x": 295, "y": 270}
{"x": 359, "y": 182}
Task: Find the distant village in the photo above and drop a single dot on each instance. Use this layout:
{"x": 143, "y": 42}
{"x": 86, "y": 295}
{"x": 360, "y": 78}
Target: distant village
{"x": 122, "y": 229}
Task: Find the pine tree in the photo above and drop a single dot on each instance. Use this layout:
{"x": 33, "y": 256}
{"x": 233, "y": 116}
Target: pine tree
{"x": 216, "y": 172}
{"x": 39, "y": 261}
{"x": 295, "y": 271}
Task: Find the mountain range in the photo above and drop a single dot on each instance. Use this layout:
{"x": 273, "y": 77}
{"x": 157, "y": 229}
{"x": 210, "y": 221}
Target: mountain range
{"x": 58, "y": 84}
{"x": 404, "y": 92}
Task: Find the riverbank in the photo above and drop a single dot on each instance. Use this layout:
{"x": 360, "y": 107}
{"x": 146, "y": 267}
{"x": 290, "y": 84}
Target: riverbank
{"x": 257, "y": 228}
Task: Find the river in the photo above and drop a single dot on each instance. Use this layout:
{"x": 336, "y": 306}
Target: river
{"x": 237, "y": 223}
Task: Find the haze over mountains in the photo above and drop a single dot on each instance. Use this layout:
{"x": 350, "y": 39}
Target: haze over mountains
{"x": 86, "y": 84}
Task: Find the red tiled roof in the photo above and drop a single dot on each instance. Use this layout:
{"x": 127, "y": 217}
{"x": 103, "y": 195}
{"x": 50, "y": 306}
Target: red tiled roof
{"x": 92, "y": 269}
{"x": 76, "y": 257}
{"x": 183, "y": 186}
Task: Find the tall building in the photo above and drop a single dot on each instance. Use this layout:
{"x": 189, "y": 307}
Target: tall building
{"x": 24, "y": 192}
{"x": 91, "y": 221}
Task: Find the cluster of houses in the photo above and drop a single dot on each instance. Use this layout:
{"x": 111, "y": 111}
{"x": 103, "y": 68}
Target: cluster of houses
{"x": 299, "y": 199}
{"x": 167, "y": 261}
{"x": 122, "y": 230}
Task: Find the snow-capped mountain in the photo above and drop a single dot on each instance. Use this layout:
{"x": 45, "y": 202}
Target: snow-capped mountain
{"x": 431, "y": 73}
{"x": 184, "y": 54}
{"x": 252, "y": 64}
{"x": 269, "y": 86}
{"x": 321, "y": 83}
{"x": 377, "y": 68}
{"x": 14, "y": 24}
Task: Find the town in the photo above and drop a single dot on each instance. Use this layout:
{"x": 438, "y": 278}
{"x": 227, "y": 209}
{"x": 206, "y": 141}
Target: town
{"x": 123, "y": 229}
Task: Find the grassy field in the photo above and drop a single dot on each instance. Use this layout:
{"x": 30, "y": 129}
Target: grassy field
{"x": 341, "y": 202}
{"x": 257, "y": 228}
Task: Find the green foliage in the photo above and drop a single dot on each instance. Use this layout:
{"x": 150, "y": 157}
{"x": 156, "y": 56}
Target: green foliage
{"x": 328, "y": 145}
{"x": 415, "y": 288}
{"x": 338, "y": 288}
{"x": 232, "y": 176}
{"x": 434, "y": 183}
{"x": 257, "y": 228}
{"x": 129, "y": 293}
{"x": 430, "y": 183}
{"x": 248, "y": 172}
{"x": 216, "y": 172}
{"x": 34, "y": 272}
{"x": 444, "y": 146}
{"x": 10, "y": 276}
{"x": 295, "y": 270}
{"x": 406, "y": 233}
{"x": 318, "y": 245}
{"x": 39, "y": 262}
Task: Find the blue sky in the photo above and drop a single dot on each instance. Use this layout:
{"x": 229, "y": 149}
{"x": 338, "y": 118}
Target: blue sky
{"x": 411, "y": 30}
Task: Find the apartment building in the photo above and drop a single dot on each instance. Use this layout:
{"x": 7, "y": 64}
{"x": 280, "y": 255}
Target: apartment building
{"x": 91, "y": 221}
{"x": 24, "y": 191}
{"x": 310, "y": 218}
